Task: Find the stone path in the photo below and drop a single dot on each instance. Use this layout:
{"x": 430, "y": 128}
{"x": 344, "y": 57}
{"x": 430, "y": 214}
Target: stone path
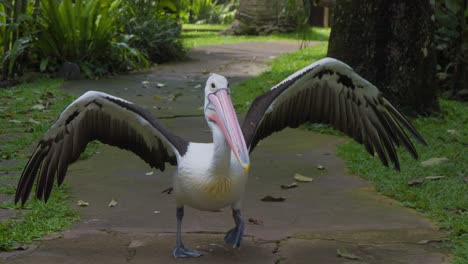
{"x": 336, "y": 211}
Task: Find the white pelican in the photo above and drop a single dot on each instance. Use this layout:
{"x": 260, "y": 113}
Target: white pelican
{"x": 213, "y": 176}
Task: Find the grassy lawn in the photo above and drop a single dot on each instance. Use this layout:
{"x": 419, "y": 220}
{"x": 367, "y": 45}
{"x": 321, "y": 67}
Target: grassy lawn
{"x": 203, "y": 38}
{"x": 445, "y": 200}
{"x": 26, "y": 112}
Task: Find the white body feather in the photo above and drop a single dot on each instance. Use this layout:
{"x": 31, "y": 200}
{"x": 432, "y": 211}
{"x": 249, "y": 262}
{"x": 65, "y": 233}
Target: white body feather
{"x": 200, "y": 183}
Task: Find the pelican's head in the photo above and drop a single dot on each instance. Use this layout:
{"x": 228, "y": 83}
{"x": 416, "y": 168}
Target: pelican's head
{"x": 219, "y": 112}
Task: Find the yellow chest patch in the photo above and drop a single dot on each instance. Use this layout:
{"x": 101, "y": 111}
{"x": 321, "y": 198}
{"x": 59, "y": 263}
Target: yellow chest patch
{"x": 218, "y": 187}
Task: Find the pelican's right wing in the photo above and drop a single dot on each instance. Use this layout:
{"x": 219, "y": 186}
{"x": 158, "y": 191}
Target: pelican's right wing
{"x": 100, "y": 116}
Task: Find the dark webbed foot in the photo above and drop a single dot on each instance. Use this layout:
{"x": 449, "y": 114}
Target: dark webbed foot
{"x": 235, "y": 235}
{"x": 183, "y": 252}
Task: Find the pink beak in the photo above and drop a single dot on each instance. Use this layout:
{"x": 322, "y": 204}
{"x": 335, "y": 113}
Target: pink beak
{"x": 225, "y": 117}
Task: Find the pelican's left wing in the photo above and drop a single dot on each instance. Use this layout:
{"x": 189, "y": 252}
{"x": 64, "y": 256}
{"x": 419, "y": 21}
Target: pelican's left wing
{"x": 97, "y": 116}
{"x": 329, "y": 91}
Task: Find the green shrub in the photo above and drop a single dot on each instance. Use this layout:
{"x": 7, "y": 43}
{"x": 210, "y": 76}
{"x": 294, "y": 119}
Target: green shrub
{"x": 86, "y": 33}
{"x": 153, "y": 29}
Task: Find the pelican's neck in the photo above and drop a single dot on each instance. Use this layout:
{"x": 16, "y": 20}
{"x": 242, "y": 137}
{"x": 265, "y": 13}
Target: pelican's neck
{"x": 221, "y": 151}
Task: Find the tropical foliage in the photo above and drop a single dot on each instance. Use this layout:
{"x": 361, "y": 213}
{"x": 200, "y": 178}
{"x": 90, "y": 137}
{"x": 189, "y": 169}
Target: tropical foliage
{"x": 101, "y": 36}
{"x": 153, "y": 32}
{"x": 451, "y": 39}
{"x": 208, "y": 11}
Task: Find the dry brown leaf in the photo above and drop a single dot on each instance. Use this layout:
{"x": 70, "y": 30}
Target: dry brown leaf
{"x": 432, "y": 178}
{"x": 344, "y": 253}
{"x": 270, "y": 198}
{"x": 414, "y": 182}
{"x": 113, "y": 203}
{"x": 38, "y": 107}
{"x": 427, "y": 241}
{"x": 301, "y": 178}
{"x": 82, "y": 203}
{"x": 255, "y": 221}
{"x": 289, "y": 186}
{"x": 434, "y": 161}
{"x": 32, "y": 121}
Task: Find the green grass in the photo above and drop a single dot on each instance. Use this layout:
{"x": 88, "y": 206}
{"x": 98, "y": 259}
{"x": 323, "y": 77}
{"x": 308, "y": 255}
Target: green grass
{"x": 21, "y": 126}
{"x": 203, "y": 38}
{"x": 201, "y": 27}
{"x": 444, "y": 201}
{"x": 36, "y": 220}
{"x": 281, "y": 67}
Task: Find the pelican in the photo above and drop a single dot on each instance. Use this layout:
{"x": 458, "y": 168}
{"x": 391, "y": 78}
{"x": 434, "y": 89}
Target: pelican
{"x": 211, "y": 176}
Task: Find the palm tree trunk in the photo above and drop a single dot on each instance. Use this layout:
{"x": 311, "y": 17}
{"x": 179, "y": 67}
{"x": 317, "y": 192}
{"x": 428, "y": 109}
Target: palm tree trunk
{"x": 262, "y": 17}
{"x": 390, "y": 43}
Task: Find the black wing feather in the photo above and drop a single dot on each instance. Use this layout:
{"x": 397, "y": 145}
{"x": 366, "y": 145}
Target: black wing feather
{"x": 96, "y": 116}
{"x": 330, "y": 92}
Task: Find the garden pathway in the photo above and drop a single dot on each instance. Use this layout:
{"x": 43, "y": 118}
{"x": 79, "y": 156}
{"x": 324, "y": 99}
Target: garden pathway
{"x": 335, "y": 212}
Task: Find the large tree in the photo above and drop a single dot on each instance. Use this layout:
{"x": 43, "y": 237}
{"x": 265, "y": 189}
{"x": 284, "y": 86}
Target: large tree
{"x": 262, "y": 17}
{"x": 390, "y": 43}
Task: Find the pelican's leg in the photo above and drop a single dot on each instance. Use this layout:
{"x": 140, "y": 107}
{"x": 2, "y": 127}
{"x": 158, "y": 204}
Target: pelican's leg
{"x": 180, "y": 251}
{"x": 234, "y": 236}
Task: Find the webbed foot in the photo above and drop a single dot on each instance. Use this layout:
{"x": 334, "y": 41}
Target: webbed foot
{"x": 183, "y": 252}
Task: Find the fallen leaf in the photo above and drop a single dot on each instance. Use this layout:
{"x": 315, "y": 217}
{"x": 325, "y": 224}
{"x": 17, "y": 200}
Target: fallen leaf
{"x": 160, "y": 85}
{"x": 301, "y": 178}
{"x": 255, "y": 221}
{"x": 32, "y": 121}
{"x": 149, "y": 173}
{"x": 289, "y": 186}
{"x": 205, "y": 71}
{"x": 145, "y": 82}
{"x": 174, "y": 97}
{"x": 269, "y": 198}
{"x": 414, "y": 182}
{"x": 344, "y": 253}
{"x": 113, "y": 203}
{"x": 21, "y": 247}
{"x": 82, "y": 203}
{"x": 433, "y": 161}
{"x": 136, "y": 243}
{"x": 458, "y": 211}
{"x": 168, "y": 190}
{"x": 15, "y": 121}
{"x": 156, "y": 97}
{"x": 38, "y": 107}
{"x": 198, "y": 86}
{"x": 320, "y": 167}
{"x": 431, "y": 178}
{"x": 452, "y": 132}
{"x": 427, "y": 241}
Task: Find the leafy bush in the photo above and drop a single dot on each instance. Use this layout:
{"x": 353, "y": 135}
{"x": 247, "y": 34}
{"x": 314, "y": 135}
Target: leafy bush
{"x": 212, "y": 11}
{"x": 86, "y": 33}
{"x": 153, "y": 29}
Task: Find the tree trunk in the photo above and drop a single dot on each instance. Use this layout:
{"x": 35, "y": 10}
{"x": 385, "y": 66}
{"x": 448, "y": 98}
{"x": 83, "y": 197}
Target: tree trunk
{"x": 390, "y": 43}
{"x": 263, "y": 17}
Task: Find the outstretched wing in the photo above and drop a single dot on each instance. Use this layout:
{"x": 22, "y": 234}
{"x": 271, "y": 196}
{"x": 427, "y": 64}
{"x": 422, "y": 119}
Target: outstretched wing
{"x": 329, "y": 91}
{"x": 108, "y": 119}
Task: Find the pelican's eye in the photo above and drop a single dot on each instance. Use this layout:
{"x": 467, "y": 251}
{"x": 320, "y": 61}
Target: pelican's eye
{"x": 213, "y": 86}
